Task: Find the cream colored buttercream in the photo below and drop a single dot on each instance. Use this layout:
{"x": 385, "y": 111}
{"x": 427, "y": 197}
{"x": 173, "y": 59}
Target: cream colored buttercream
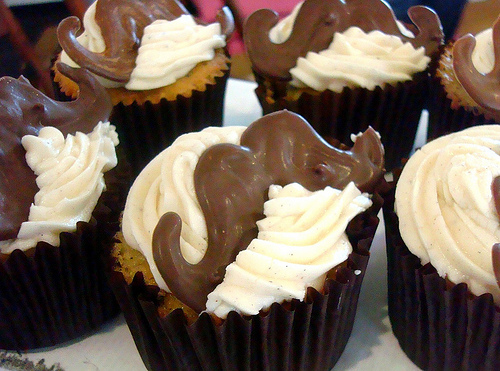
{"x": 301, "y": 238}
{"x": 70, "y": 180}
{"x": 446, "y": 210}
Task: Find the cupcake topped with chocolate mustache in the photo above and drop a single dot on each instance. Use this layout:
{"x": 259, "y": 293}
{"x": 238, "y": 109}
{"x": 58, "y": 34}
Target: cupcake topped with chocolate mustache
{"x": 57, "y": 211}
{"x": 294, "y": 47}
{"x": 197, "y": 226}
{"x": 232, "y": 230}
{"x": 141, "y": 45}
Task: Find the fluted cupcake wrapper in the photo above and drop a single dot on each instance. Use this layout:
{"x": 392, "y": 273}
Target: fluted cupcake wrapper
{"x": 443, "y": 119}
{"x": 299, "y": 335}
{"x": 55, "y": 294}
{"x": 147, "y": 129}
{"x": 49, "y": 294}
{"x": 439, "y": 325}
{"x": 394, "y": 111}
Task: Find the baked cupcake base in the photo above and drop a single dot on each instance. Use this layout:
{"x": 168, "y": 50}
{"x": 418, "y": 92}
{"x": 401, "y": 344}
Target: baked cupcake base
{"x": 439, "y": 325}
{"x": 445, "y": 117}
{"x": 393, "y": 111}
{"x": 297, "y": 335}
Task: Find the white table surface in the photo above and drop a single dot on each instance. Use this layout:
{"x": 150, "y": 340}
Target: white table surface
{"x": 371, "y": 347}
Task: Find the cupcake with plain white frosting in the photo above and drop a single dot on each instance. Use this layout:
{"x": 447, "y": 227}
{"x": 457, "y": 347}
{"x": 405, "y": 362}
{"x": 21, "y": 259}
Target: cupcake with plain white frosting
{"x": 61, "y": 198}
{"x": 166, "y": 75}
{"x": 442, "y": 266}
{"x": 465, "y": 85}
{"x": 232, "y": 230}
{"x": 345, "y": 66}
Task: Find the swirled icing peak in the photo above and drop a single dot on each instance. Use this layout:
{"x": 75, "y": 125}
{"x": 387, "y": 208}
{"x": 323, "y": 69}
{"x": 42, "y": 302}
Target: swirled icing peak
{"x": 447, "y": 211}
{"x": 316, "y": 23}
{"x": 301, "y": 238}
{"x": 70, "y": 178}
{"x": 25, "y": 110}
{"x": 359, "y": 59}
{"x": 483, "y": 87}
{"x": 231, "y": 182}
{"x": 121, "y": 24}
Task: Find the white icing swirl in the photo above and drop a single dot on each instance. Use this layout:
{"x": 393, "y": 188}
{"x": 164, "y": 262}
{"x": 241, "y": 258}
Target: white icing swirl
{"x": 483, "y": 56}
{"x": 299, "y": 241}
{"x": 70, "y": 180}
{"x": 359, "y": 59}
{"x": 169, "y": 50}
{"x": 446, "y": 209}
{"x": 283, "y": 29}
{"x": 167, "y": 184}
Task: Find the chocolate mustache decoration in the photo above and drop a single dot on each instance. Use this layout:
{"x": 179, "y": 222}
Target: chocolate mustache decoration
{"x": 231, "y": 184}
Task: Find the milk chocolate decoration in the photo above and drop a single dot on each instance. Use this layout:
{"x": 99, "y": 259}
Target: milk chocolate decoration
{"x": 495, "y": 252}
{"x": 316, "y": 23}
{"x": 25, "y": 110}
{"x": 483, "y": 89}
{"x": 232, "y": 182}
{"x": 122, "y": 24}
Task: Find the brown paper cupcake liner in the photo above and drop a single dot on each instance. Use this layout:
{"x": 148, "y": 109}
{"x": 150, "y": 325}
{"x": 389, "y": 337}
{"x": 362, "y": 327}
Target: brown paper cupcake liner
{"x": 48, "y": 294}
{"x": 146, "y": 129}
{"x": 439, "y": 325}
{"x": 56, "y": 293}
{"x": 393, "y": 111}
{"x": 298, "y": 335}
{"x": 443, "y": 119}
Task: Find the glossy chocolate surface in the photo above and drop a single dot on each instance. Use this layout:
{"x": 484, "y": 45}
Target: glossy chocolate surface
{"x": 25, "y": 110}
{"x": 316, "y": 23}
{"x": 232, "y": 182}
{"x": 484, "y": 89}
{"x": 122, "y": 24}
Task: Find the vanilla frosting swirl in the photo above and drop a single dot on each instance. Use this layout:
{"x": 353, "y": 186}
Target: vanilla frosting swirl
{"x": 283, "y": 29}
{"x": 70, "y": 181}
{"x": 301, "y": 238}
{"x": 167, "y": 184}
{"x": 168, "y": 51}
{"x": 359, "y": 59}
{"x": 446, "y": 209}
{"x": 483, "y": 56}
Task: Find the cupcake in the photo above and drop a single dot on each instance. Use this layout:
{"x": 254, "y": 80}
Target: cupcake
{"x": 57, "y": 212}
{"x": 466, "y": 84}
{"x": 345, "y": 66}
{"x": 165, "y": 72}
{"x": 245, "y": 248}
{"x": 442, "y": 222}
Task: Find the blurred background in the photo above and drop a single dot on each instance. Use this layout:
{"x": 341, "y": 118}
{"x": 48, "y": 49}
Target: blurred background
{"x": 28, "y": 39}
